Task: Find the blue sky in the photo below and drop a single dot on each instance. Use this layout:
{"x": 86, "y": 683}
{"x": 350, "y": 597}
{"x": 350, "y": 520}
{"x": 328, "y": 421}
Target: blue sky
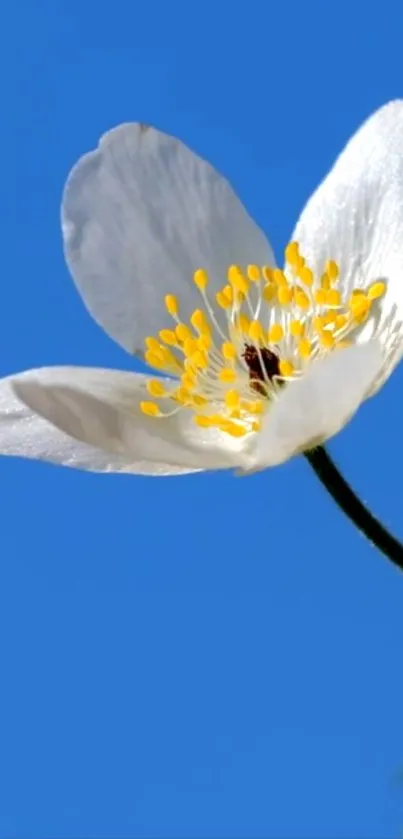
{"x": 205, "y": 656}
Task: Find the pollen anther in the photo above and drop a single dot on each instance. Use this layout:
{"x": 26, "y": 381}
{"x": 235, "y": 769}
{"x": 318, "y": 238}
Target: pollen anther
{"x": 150, "y": 409}
{"x": 200, "y": 279}
{"x": 171, "y": 304}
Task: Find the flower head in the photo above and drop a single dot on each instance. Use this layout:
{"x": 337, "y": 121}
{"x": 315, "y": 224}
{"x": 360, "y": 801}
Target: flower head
{"x": 252, "y": 362}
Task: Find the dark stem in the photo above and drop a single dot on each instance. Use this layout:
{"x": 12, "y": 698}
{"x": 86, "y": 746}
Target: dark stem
{"x": 351, "y": 505}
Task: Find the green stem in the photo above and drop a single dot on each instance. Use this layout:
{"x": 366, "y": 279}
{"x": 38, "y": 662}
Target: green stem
{"x": 351, "y": 505}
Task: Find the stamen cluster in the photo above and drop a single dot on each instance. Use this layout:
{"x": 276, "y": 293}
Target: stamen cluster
{"x": 262, "y": 330}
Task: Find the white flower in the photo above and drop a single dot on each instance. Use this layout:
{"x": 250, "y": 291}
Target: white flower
{"x": 254, "y": 363}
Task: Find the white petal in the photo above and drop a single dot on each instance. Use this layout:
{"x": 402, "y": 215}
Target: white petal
{"x": 317, "y": 406}
{"x": 101, "y": 408}
{"x": 140, "y": 214}
{"x": 356, "y": 218}
{"x": 23, "y": 433}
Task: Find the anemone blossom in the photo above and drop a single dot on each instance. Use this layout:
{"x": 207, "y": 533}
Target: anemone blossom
{"x": 252, "y": 363}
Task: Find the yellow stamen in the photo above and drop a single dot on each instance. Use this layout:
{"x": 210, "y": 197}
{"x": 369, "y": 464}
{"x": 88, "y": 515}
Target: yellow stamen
{"x": 253, "y": 407}
{"x": 200, "y": 279}
{"x": 297, "y": 328}
{"x": 255, "y": 330}
{"x": 286, "y": 368}
{"x": 183, "y": 333}
{"x": 306, "y": 276}
{"x": 168, "y": 337}
{"x": 232, "y": 399}
{"x": 276, "y": 333}
{"x": 376, "y": 290}
{"x": 292, "y": 254}
{"x": 190, "y": 346}
{"x": 152, "y": 344}
{"x": 284, "y": 295}
{"x": 304, "y": 348}
{"x": 318, "y": 324}
{"x": 320, "y": 297}
{"x": 299, "y": 265}
{"x": 329, "y": 317}
{"x": 333, "y": 297}
{"x": 227, "y": 375}
{"x": 168, "y": 358}
{"x": 228, "y": 350}
{"x": 171, "y": 304}
{"x": 222, "y": 300}
{"x": 326, "y": 339}
{"x": 182, "y": 396}
{"x": 279, "y": 277}
{"x": 253, "y": 273}
{"x": 228, "y": 292}
{"x": 301, "y": 299}
{"x": 150, "y": 409}
{"x": 156, "y": 388}
{"x": 243, "y": 323}
{"x": 267, "y": 273}
{"x": 332, "y": 269}
{"x": 359, "y": 304}
{"x": 269, "y": 292}
{"x": 233, "y": 428}
{"x": 188, "y": 381}
{"x": 208, "y": 420}
{"x": 198, "y": 400}
{"x": 237, "y": 279}
{"x": 199, "y": 321}
{"x": 154, "y": 360}
{"x": 200, "y": 359}
{"x": 340, "y": 321}
{"x": 204, "y": 341}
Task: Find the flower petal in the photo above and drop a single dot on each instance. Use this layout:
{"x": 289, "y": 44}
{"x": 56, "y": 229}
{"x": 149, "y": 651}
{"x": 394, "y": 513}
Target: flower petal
{"x": 100, "y": 408}
{"x": 317, "y": 406}
{"x": 356, "y": 218}
{"x": 140, "y": 214}
{"x": 23, "y": 433}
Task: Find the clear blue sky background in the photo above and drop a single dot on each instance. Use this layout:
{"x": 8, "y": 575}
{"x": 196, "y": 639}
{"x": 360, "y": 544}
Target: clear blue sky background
{"x": 204, "y": 656}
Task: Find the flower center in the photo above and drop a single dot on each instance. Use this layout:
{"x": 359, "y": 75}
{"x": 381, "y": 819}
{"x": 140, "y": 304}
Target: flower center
{"x": 266, "y": 327}
{"x": 261, "y": 365}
